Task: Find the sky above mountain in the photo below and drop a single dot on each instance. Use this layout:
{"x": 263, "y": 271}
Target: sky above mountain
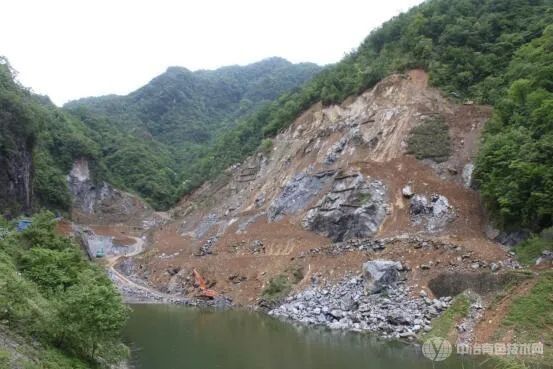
{"x": 69, "y": 49}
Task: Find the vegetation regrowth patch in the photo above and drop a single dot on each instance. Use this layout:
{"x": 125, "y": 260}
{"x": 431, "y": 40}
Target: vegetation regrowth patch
{"x": 430, "y": 140}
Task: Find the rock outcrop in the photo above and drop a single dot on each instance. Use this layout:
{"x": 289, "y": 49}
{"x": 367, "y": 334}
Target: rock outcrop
{"x": 297, "y": 194}
{"x": 354, "y": 208}
{"x": 102, "y": 202}
{"x": 16, "y": 178}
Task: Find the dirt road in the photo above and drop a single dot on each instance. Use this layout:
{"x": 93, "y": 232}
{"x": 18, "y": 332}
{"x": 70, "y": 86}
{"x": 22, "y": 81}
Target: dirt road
{"x": 134, "y": 292}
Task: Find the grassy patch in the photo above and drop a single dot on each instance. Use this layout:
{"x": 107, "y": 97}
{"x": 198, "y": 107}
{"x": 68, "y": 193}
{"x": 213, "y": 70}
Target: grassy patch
{"x": 529, "y": 250}
{"x": 497, "y": 362}
{"x": 296, "y": 273}
{"x": 4, "y": 359}
{"x": 277, "y": 288}
{"x": 430, "y": 140}
{"x": 281, "y": 285}
{"x": 444, "y": 324}
{"x": 364, "y": 198}
{"x": 266, "y": 146}
{"x": 531, "y": 316}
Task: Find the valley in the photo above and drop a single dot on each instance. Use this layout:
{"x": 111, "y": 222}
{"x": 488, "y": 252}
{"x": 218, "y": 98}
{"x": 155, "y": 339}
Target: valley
{"x": 337, "y": 191}
{"x": 391, "y": 209}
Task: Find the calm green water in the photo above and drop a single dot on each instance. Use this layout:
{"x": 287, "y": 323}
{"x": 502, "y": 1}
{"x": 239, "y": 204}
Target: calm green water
{"x": 173, "y": 337}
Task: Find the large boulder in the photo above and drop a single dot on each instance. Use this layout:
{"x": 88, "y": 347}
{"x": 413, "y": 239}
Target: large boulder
{"x": 434, "y": 214}
{"x": 380, "y": 273}
{"x": 354, "y": 208}
{"x": 407, "y": 191}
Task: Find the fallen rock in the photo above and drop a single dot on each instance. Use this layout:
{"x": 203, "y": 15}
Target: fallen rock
{"x": 467, "y": 174}
{"x": 434, "y": 214}
{"x": 407, "y": 191}
{"x": 398, "y": 315}
{"x": 380, "y": 273}
{"x": 546, "y": 257}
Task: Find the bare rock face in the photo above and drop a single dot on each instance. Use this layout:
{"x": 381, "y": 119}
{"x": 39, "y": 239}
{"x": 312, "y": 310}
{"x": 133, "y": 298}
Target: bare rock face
{"x": 354, "y": 208}
{"x": 434, "y": 213}
{"x": 101, "y": 201}
{"x": 380, "y": 273}
{"x": 16, "y": 178}
{"x": 297, "y": 194}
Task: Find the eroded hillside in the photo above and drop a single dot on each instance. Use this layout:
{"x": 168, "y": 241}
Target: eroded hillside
{"x": 334, "y": 182}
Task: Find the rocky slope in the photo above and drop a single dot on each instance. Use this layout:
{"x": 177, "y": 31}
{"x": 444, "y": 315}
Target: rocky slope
{"x": 101, "y": 203}
{"x": 337, "y": 189}
{"x": 338, "y": 224}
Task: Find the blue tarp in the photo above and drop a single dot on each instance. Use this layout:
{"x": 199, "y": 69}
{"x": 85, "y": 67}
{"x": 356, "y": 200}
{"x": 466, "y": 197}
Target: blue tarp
{"x": 23, "y": 224}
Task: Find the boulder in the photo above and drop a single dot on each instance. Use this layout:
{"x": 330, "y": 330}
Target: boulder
{"x": 434, "y": 214}
{"x": 407, "y": 191}
{"x": 380, "y": 273}
{"x": 419, "y": 205}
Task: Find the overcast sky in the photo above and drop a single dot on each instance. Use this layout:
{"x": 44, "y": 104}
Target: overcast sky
{"x": 75, "y": 48}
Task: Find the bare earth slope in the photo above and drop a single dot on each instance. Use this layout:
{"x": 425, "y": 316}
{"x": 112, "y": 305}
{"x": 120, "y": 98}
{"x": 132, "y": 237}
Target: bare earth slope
{"x": 331, "y": 185}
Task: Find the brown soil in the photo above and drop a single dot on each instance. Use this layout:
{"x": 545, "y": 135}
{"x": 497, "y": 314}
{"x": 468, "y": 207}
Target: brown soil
{"x": 387, "y": 113}
{"x": 486, "y": 330}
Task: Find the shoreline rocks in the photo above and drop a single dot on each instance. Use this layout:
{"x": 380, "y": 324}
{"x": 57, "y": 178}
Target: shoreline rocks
{"x": 346, "y": 305}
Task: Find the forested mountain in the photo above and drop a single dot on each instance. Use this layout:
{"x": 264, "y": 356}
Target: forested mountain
{"x": 180, "y": 107}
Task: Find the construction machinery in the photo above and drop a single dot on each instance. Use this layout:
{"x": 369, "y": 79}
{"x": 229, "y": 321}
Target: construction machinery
{"x": 204, "y": 291}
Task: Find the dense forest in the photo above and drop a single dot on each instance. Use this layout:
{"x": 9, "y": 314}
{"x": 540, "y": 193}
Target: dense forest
{"x": 494, "y": 52}
{"x": 147, "y": 137}
{"x": 51, "y": 295}
{"x": 180, "y": 107}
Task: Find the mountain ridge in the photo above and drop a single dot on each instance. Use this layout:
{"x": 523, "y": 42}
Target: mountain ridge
{"x": 179, "y": 98}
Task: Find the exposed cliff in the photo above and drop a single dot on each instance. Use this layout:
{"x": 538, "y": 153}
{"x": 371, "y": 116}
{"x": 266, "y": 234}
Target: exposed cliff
{"x": 16, "y": 176}
{"x": 17, "y": 142}
{"x": 100, "y": 203}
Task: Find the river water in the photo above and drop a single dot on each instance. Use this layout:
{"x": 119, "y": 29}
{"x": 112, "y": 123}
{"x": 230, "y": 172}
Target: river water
{"x": 176, "y": 337}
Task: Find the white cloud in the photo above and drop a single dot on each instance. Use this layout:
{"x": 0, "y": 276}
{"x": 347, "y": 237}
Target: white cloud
{"x": 75, "y": 48}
